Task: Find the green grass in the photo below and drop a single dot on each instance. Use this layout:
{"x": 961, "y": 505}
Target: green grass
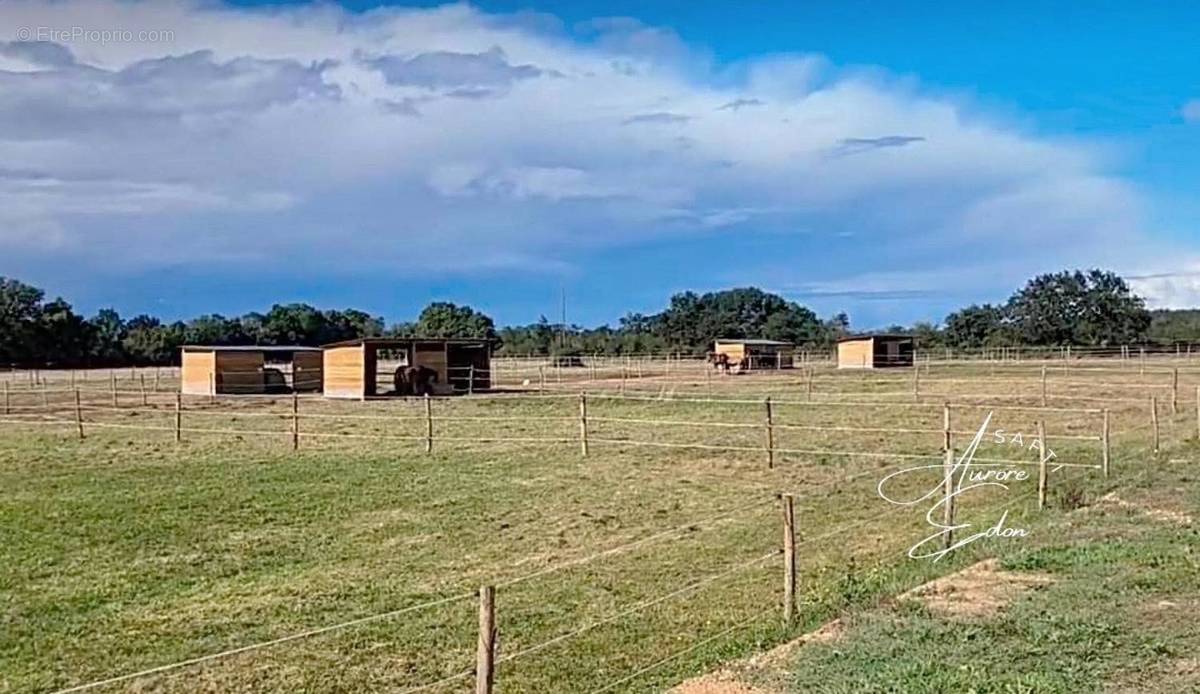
{"x": 1119, "y": 616}
{"x": 126, "y": 551}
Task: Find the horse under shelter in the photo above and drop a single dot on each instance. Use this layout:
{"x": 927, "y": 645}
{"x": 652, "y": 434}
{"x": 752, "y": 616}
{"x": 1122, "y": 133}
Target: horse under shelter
{"x": 751, "y": 355}
{"x": 366, "y": 367}
{"x": 875, "y": 351}
{"x": 249, "y": 369}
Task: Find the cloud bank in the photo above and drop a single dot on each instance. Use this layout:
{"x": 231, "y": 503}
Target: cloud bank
{"x": 450, "y": 140}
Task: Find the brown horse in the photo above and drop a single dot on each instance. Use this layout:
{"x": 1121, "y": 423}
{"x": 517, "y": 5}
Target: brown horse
{"x": 719, "y": 361}
{"x": 415, "y": 380}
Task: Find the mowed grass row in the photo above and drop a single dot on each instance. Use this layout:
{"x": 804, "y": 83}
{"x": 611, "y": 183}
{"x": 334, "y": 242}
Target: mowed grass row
{"x": 126, "y": 551}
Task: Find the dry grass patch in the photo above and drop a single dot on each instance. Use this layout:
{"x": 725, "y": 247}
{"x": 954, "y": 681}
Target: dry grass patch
{"x": 980, "y": 590}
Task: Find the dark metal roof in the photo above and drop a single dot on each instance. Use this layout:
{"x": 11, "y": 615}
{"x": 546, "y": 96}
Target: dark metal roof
{"x": 249, "y": 348}
{"x": 764, "y": 343}
{"x": 870, "y": 336}
{"x": 400, "y": 341}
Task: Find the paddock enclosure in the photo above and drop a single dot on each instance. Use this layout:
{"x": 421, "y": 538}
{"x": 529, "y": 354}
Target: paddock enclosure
{"x": 875, "y": 351}
{"x": 248, "y": 370}
{"x": 365, "y": 367}
{"x": 626, "y": 518}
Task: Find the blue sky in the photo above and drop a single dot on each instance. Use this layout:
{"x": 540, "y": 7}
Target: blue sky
{"x": 894, "y": 161}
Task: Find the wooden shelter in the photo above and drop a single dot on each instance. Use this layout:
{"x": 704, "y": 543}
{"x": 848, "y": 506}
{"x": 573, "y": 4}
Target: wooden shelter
{"x": 249, "y": 369}
{"x": 756, "y": 354}
{"x": 875, "y": 351}
{"x": 365, "y": 367}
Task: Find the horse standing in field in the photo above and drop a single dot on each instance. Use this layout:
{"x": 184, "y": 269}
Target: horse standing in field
{"x": 719, "y": 361}
{"x": 415, "y": 380}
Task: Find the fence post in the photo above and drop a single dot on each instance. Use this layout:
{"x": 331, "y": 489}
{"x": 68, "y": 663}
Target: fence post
{"x": 72, "y": 378}
{"x": 8, "y": 399}
{"x": 1175, "y": 390}
{"x": 112, "y": 386}
{"x": 789, "y": 558}
{"x": 45, "y": 397}
{"x": 1043, "y": 477}
{"x": 770, "y": 432}
{"x": 471, "y": 379}
{"x": 541, "y": 379}
{"x": 1142, "y": 361}
{"x": 485, "y": 651}
{"x": 78, "y": 414}
{"x": 212, "y": 387}
{"x": 143, "y": 382}
{"x": 1197, "y": 411}
{"x": 916, "y": 382}
{"x": 1043, "y": 385}
{"x": 295, "y": 421}
{"x": 157, "y": 375}
{"x": 948, "y": 493}
{"x": 178, "y": 416}
{"x": 1154, "y": 421}
{"x": 809, "y": 387}
{"x": 428, "y": 424}
{"x": 1104, "y": 444}
{"x": 946, "y": 426}
{"x": 583, "y": 428}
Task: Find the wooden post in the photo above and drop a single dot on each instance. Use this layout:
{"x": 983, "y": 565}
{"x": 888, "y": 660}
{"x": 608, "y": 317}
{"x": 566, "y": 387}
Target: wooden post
{"x": 295, "y": 421}
{"x": 789, "y": 558}
{"x": 1142, "y": 360}
{"x": 78, "y": 415}
{"x": 1197, "y": 411}
{"x": 178, "y": 417}
{"x": 583, "y": 428}
{"x": 1043, "y": 385}
{"x": 212, "y": 387}
{"x": 72, "y": 378}
{"x": 143, "y": 382}
{"x": 770, "y": 432}
{"x": 1175, "y": 390}
{"x": 428, "y": 424}
{"x": 946, "y": 427}
{"x": 7, "y": 399}
{"x": 948, "y": 492}
{"x": 916, "y": 382}
{"x": 485, "y": 651}
{"x": 809, "y": 386}
{"x": 45, "y": 397}
{"x": 541, "y": 378}
{"x": 112, "y": 386}
{"x": 1154, "y": 421}
{"x": 624, "y": 375}
{"x": 1104, "y": 456}
{"x": 471, "y": 380}
{"x": 1042, "y": 459}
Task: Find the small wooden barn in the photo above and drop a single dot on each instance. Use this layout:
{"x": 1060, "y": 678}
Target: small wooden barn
{"x": 250, "y": 369}
{"x": 365, "y": 367}
{"x": 756, "y": 354}
{"x": 875, "y": 351}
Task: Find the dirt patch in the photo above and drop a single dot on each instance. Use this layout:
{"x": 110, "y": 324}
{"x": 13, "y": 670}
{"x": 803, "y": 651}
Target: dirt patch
{"x": 730, "y": 679}
{"x": 980, "y": 590}
{"x": 1163, "y": 515}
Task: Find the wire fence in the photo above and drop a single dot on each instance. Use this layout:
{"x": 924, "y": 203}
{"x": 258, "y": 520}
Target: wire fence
{"x": 739, "y": 425}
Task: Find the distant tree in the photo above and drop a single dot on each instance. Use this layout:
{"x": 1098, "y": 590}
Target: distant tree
{"x": 444, "y": 319}
{"x": 974, "y": 326}
{"x": 20, "y": 310}
{"x": 149, "y": 341}
{"x": 1092, "y": 308}
{"x": 351, "y": 323}
{"x": 1171, "y": 326}
{"x": 296, "y": 324}
{"x": 691, "y": 322}
{"x": 214, "y": 329}
{"x": 108, "y": 334}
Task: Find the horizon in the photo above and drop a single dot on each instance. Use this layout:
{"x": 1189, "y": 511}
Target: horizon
{"x": 498, "y": 154}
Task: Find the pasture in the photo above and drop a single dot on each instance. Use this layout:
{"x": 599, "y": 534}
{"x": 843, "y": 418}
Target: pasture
{"x": 365, "y": 529}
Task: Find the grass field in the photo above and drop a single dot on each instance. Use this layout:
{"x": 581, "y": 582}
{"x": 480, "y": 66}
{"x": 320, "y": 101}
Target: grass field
{"x": 126, "y": 550}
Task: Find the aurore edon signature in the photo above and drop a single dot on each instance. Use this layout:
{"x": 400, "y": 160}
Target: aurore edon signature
{"x": 967, "y": 480}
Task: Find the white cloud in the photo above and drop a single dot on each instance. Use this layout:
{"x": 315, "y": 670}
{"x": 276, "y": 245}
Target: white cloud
{"x": 403, "y": 136}
{"x": 1179, "y": 288}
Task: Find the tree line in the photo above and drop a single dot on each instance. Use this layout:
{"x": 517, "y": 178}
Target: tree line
{"x": 1093, "y": 308}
